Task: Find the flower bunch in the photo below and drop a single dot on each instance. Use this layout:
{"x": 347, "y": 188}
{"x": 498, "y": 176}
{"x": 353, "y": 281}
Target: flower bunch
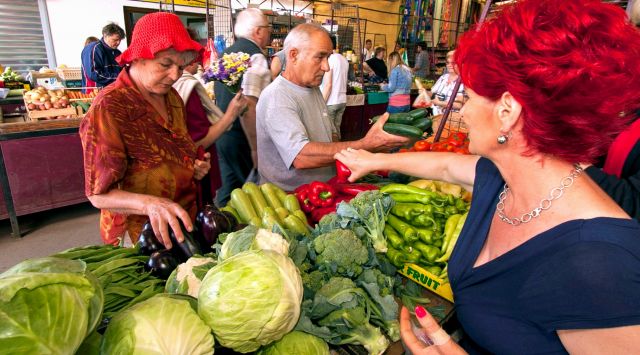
{"x": 229, "y": 70}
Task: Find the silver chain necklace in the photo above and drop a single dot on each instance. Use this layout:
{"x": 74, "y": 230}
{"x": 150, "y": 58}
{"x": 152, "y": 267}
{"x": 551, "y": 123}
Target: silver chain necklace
{"x": 545, "y": 204}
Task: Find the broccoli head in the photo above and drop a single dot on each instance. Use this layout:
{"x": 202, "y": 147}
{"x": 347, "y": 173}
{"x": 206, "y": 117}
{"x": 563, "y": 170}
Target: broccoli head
{"x": 313, "y": 280}
{"x": 340, "y": 251}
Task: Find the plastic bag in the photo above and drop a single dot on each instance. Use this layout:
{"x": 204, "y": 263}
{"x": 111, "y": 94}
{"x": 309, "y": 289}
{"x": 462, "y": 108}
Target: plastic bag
{"x": 423, "y": 100}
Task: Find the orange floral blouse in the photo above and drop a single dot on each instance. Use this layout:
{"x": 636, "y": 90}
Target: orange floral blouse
{"x": 127, "y": 145}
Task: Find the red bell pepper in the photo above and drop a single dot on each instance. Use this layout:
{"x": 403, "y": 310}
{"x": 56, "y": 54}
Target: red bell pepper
{"x": 382, "y": 173}
{"x": 321, "y": 194}
{"x": 302, "y": 194}
{"x": 342, "y": 172}
{"x": 354, "y": 189}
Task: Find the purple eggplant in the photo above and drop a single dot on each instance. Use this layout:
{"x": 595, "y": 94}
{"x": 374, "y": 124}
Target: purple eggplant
{"x": 148, "y": 243}
{"x": 212, "y": 222}
{"x": 233, "y": 222}
{"x": 162, "y": 263}
{"x": 188, "y": 248}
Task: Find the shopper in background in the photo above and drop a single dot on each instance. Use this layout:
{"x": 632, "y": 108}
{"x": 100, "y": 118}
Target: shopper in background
{"x": 334, "y": 88}
{"x": 367, "y": 53}
{"x": 90, "y": 39}
{"x": 546, "y": 262}
{"x": 295, "y": 144}
{"x": 205, "y": 121}
{"x": 140, "y": 163}
{"x": 421, "y": 66}
{"x": 376, "y": 67}
{"x": 402, "y": 51}
{"x": 237, "y": 148}
{"x": 399, "y": 87}
{"x": 99, "y": 66}
{"x": 278, "y": 63}
{"x": 619, "y": 176}
{"x": 443, "y": 89}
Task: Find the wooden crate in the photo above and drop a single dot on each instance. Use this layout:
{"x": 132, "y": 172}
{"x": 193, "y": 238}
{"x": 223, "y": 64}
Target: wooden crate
{"x": 35, "y": 115}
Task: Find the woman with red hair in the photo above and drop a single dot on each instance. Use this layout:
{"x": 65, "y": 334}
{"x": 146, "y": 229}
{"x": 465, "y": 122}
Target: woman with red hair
{"x": 139, "y": 160}
{"x": 546, "y": 262}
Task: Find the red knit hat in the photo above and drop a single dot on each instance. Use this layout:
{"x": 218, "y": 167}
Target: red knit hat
{"x": 156, "y": 32}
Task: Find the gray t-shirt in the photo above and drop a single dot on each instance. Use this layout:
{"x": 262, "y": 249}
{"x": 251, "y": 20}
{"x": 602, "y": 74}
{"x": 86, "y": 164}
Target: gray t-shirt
{"x": 288, "y": 117}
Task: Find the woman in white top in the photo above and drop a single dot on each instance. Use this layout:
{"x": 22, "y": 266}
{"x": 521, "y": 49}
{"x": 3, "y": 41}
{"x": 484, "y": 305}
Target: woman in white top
{"x": 443, "y": 89}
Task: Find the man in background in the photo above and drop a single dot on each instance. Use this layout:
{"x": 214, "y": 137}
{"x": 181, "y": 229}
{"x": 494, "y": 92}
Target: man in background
{"x": 367, "y": 52}
{"x": 421, "y": 67}
{"x": 294, "y": 130}
{"x": 334, "y": 87}
{"x": 99, "y": 66}
{"x": 237, "y": 148}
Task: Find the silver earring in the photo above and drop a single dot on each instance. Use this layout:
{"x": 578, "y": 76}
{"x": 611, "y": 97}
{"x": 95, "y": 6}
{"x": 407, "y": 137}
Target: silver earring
{"x": 503, "y": 138}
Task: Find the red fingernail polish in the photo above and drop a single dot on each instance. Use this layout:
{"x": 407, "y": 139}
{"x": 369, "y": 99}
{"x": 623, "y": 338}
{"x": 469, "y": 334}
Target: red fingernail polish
{"x": 420, "y": 312}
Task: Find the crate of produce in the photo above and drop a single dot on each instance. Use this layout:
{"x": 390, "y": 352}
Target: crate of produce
{"x": 46, "y": 104}
{"x": 69, "y": 73}
{"x": 377, "y": 98}
{"x": 428, "y": 280}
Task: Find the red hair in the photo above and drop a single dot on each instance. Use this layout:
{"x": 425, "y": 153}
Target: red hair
{"x": 574, "y": 66}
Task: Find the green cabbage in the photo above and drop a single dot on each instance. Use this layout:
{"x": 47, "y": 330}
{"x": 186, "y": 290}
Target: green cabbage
{"x": 48, "y": 306}
{"x": 252, "y": 238}
{"x": 251, "y": 299}
{"x": 186, "y": 278}
{"x": 163, "y": 324}
{"x": 298, "y": 343}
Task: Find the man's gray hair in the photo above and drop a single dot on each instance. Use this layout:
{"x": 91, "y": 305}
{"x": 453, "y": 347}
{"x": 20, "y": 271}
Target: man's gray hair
{"x": 301, "y": 36}
{"x": 247, "y": 21}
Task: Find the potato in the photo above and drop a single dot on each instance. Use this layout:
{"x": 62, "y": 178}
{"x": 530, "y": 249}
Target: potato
{"x": 31, "y": 107}
{"x": 48, "y": 105}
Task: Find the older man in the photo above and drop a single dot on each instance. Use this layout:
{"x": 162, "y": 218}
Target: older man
{"x": 99, "y": 66}
{"x": 294, "y": 131}
{"x": 237, "y": 147}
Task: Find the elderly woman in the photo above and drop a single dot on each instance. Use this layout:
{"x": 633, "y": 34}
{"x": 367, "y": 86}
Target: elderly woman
{"x": 140, "y": 162}
{"x": 546, "y": 261}
{"x": 442, "y": 90}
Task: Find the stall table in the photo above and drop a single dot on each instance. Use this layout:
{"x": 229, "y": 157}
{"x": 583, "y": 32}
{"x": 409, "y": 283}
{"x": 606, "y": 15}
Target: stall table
{"x": 41, "y": 167}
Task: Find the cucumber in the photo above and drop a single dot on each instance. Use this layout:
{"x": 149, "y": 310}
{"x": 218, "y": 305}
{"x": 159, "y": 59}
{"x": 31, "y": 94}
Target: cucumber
{"x": 402, "y": 118}
{"x": 242, "y": 203}
{"x": 417, "y": 113}
{"x": 255, "y": 195}
{"x": 403, "y": 130}
{"x": 423, "y": 123}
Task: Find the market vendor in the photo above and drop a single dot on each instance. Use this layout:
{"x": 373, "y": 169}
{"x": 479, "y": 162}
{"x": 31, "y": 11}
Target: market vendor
{"x": 294, "y": 131}
{"x": 139, "y": 161}
{"x": 546, "y": 261}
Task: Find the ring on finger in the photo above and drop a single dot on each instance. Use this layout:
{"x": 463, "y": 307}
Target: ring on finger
{"x": 439, "y": 337}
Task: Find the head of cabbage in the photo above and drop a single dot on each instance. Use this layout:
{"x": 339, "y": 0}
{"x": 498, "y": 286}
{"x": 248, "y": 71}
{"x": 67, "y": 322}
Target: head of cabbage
{"x": 252, "y": 238}
{"x": 48, "y": 305}
{"x": 163, "y": 324}
{"x": 251, "y": 299}
{"x": 298, "y": 343}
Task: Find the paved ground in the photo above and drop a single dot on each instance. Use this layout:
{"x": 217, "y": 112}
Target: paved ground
{"x": 49, "y": 232}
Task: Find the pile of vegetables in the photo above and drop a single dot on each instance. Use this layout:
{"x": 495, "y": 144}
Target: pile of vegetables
{"x": 43, "y": 99}
{"x": 265, "y": 206}
{"x": 424, "y": 223}
{"x": 9, "y": 75}
{"x": 210, "y": 223}
{"x": 412, "y": 124}
{"x": 121, "y": 274}
{"x": 348, "y": 288}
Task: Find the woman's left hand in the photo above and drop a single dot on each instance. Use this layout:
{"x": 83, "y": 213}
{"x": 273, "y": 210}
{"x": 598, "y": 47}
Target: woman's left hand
{"x": 201, "y": 167}
{"x": 359, "y": 161}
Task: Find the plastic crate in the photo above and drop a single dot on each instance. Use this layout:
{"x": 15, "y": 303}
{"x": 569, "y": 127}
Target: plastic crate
{"x": 377, "y": 98}
{"x": 70, "y": 74}
{"x": 72, "y": 84}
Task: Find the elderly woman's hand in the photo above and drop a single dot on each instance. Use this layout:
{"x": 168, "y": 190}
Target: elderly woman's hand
{"x": 164, "y": 214}
{"x": 359, "y": 161}
{"x": 238, "y": 104}
{"x": 433, "y": 339}
{"x": 201, "y": 167}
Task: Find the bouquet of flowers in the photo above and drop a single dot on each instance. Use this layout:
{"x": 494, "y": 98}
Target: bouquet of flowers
{"x": 228, "y": 70}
